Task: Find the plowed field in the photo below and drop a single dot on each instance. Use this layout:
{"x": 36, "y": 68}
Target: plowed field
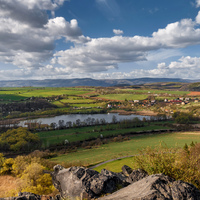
{"x": 194, "y": 94}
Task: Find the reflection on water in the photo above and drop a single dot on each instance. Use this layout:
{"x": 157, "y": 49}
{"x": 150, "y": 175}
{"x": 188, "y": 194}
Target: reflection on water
{"x": 73, "y": 117}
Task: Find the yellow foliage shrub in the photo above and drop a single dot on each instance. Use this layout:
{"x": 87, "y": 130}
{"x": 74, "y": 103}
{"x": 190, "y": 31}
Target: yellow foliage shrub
{"x": 30, "y": 171}
{"x": 180, "y": 164}
{"x": 35, "y": 181}
{"x": 7, "y": 166}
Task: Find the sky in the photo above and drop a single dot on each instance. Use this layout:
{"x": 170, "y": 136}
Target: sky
{"x": 99, "y": 39}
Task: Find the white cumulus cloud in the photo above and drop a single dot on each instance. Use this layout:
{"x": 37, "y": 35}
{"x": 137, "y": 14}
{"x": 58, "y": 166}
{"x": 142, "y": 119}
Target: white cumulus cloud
{"x": 27, "y": 35}
{"x": 198, "y": 18}
{"x": 197, "y": 3}
{"x": 186, "y": 67}
{"x": 118, "y": 31}
{"x": 178, "y": 35}
{"x": 101, "y": 54}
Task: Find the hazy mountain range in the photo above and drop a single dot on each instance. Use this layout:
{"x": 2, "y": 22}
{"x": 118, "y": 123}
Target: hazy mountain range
{"x": 89, "y": 82}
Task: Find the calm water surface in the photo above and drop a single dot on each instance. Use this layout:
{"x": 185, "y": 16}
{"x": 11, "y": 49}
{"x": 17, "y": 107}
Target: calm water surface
{"x": 73, "y": 117}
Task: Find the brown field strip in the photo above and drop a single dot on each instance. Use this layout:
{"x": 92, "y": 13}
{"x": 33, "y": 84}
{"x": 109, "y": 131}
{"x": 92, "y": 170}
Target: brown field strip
{"x": 194, "y": 94}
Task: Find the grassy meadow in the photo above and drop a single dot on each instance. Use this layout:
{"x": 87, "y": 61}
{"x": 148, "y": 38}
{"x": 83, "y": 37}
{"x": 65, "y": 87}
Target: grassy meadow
{"x": 150, "y": 91}
{"x": 122, "y": 97}
{"x": 77, "y": 100}
{"x": 112, "y": 150}
{"x": 11, "y": 97}
{"x": 84, "y": 133}
{"x": 25, "y": 92}
{"x": 47, "y": 92}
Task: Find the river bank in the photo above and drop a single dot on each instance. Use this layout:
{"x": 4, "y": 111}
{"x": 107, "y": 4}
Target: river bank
{"x": 17, "y": 120}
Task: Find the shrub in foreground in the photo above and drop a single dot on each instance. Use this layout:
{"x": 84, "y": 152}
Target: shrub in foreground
{"x": 181, "y": 164}
{"x": 30, "y": 170}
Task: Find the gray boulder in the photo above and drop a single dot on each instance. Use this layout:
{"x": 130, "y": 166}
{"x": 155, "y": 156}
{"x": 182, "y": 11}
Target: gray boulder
{"x": 27, "y": 196}
{"x": 24, "y": 196}
{"x": 156, "y": 186}
{"x": 136, "y": 175}
{"x": 119, "y": 178}
{"x": 126, "y": 170}
{"x": 83, "y": 182}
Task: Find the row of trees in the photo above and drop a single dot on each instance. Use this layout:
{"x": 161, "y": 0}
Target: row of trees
{"x": 93, "y": 122}
{"x": 184, "y": 118}
{"x": 78, "y": 123}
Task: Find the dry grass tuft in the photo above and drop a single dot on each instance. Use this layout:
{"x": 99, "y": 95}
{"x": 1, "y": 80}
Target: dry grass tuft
{"x": 9, "y": 186}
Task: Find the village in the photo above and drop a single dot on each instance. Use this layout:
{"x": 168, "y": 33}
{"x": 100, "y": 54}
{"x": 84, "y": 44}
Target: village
{"x": 165, "y": 105}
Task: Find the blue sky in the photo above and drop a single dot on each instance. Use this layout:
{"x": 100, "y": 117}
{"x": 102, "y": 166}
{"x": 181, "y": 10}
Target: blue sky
{"x": 49, "y": 39}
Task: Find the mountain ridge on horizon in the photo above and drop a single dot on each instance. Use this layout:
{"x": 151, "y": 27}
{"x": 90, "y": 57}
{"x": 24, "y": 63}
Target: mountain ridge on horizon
{"x": 89, "y": 82}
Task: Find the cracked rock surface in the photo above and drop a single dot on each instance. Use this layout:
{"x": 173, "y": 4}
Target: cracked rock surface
{"x": 156, "y": 186}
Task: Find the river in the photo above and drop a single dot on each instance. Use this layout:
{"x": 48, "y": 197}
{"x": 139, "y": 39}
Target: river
{"x": 108, "y": 117}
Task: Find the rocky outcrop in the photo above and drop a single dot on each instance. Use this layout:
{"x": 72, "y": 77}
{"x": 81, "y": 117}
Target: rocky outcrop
{"x": 25, "y": 196}
{"x": 130, "y": 184}
{"x": 136, "y": 175}
{"x": 86, "y": 183}
{"x": 126, "y": 170}
{"x": 127, "y": 185}
{"x": 156, "y": 186}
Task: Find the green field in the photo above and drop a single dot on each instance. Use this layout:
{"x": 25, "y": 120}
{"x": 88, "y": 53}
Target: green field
{"x": 85, "y": 105}
{"x": 58, "y": 104}
{"x": 122, "y": 97}
{"x": 88, "y": 105}
{"x": 14, "y": 90}
{"x": 44, "y": 92}
{"x": 84, "y": 133}
{"x": 77, "y": 100}
{"x": 174, "y": 92}
{"x": 118, "y": 149}
{"x": 73, "y": 101}
{"x": 47, "y": 92}
{"x": 10, "y": 97}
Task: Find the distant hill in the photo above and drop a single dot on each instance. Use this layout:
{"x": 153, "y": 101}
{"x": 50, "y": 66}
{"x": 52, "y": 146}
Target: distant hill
{"x": 194, "y": 86}
{"x": 88, "y": 82}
